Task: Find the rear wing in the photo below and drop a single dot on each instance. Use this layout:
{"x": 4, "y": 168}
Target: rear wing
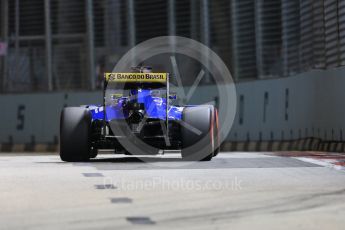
{"x": 136, "y": 77}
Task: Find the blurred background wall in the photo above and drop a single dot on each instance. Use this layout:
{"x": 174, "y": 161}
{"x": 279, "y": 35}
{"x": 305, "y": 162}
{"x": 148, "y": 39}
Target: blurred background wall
{"x": 286, "y": 57}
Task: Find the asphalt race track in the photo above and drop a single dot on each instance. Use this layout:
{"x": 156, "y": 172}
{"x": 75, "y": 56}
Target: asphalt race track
{"x": 234, "y": 191}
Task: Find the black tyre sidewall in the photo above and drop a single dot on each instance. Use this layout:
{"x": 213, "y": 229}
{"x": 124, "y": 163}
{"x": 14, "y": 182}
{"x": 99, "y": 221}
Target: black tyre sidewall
{"x": 75, "y": 132}
{"x": 216, "y": 133}
{"x": 198, "y": 147}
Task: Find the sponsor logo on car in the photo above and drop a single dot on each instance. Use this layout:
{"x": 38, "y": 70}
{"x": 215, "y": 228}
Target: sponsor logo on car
{"x": 136, "y": 77}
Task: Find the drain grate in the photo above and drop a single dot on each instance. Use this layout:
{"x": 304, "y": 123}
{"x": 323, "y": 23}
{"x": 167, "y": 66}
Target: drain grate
{"x": 119, "y": 200}
{"x": 93, "y": 174}
{"x": 105, "y": 186}
{"x": 140, "y": 220}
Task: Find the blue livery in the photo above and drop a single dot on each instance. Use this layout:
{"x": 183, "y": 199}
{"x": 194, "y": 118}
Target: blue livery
{"x": 155, "y": 107}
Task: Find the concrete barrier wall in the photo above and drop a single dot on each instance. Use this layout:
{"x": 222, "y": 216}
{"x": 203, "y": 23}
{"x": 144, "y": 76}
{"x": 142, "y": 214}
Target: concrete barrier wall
{"x": 37, "y": 116}
{"x": 306, "y": 105}
{"x": 279, "y": 109}
{"x": 329, "y": 105}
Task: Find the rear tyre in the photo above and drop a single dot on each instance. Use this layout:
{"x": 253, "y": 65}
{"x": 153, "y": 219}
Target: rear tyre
{"x": 197, "y": 133}
{"x": 215, "y": 129}
{"x": 75, "y": 133}
{"x": 93, "y": 153}
{"x": 216, "y": 133}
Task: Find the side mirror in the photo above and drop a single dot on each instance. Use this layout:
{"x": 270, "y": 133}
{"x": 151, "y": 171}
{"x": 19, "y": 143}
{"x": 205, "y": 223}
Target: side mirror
{"x": 172, "y": 96}
{"x": 116, "y": 96}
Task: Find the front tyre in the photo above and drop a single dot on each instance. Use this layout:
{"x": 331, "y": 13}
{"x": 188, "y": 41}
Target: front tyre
{"x": 75, "y": 133}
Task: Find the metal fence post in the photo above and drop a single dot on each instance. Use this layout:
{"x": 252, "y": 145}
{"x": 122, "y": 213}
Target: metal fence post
{"x": 90, "y": 42}
{"x": 4, "y": 33}
{"x": 171, "y": 14}
{"x": 131, "y": 31}
{"x": 48, "y": 44}
{"x": 131, "y": 22}
{"x": 172, "y": 24}
{"x": 193, "y": 18}
{"x": 258, "y": 38}
{"x": 205, "y": 19}
{"x": 16, "y": 45}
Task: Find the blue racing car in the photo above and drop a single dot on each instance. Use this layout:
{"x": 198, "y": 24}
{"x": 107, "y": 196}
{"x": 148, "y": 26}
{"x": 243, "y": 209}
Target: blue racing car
{"x": 137, "y": 117}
